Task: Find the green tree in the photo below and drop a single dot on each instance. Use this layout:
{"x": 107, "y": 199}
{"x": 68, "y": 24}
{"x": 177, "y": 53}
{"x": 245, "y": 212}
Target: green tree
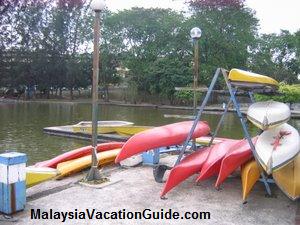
{"x": 144, "y": 41}
{"x": 277, "y": 55}
{"x": 229, "y": 28}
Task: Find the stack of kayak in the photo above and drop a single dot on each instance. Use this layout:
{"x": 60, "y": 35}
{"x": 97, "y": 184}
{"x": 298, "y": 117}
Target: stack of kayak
{"x": 71, "y": 162}
{"x": 277, "y": 151}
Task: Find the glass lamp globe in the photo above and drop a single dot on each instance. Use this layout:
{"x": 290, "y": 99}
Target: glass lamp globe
{"x": 196, "y": 33}
{"x": 98, "y": 5}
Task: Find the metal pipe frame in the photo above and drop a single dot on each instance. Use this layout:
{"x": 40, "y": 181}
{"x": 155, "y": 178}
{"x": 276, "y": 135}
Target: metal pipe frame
{"x": 198, "y": 117}
{"x": 238, "y": 111}
{"x": 245, "y": 128}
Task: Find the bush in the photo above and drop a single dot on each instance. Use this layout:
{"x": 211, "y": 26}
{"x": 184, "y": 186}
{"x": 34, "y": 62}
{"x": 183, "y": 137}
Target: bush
{"x": 186, "y": 96}
{"x": 288, "y": 94}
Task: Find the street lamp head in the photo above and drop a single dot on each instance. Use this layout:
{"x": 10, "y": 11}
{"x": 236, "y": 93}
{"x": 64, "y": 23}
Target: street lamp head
{"x": 196, "y": 33}
{"x": 98, "y": 5}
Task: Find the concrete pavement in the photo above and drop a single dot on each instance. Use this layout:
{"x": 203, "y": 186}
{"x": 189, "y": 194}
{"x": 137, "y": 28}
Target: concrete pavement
{"x": 134, "y": 189}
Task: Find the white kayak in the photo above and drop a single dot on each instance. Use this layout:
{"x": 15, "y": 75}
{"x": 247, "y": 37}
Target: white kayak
{"x": 277, "y": 147}
{"x": 268, "y": 114}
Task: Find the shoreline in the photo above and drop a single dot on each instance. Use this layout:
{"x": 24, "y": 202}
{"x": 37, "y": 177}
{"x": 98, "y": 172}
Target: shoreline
{"x": 295, "y": 111}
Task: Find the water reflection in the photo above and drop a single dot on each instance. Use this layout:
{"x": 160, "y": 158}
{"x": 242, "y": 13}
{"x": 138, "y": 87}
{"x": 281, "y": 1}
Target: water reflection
{"x": 22, "y": 124}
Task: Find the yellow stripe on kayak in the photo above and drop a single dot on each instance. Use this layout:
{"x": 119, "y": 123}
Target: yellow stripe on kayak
{"x": 250, "y": 174}
{"x": 76, "y": 165}
{"x": 249, "y": 77}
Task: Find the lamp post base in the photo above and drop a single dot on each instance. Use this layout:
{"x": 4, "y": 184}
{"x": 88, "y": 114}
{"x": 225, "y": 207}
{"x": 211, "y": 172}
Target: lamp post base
{"x": 95, "y": 175}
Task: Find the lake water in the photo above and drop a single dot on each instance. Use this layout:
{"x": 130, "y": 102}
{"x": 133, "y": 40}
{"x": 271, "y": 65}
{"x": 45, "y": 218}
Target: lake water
{"x": 22, "y": 124}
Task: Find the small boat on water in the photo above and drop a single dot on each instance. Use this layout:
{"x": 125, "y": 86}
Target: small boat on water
{"x": 248, "y": 79}
{"x": 77, "y": 165}
{"x": 269, "y": 114}
{"x": 130, "y": 130}
{"x": 36, "y": 175}
{"x": 104, "y": 127}
{"x": 212, "y": 164}
{"x": 250, "y": 174}
{"x": 288, "y": 178}
{"x": 168, "y": 135}
{"x": 77, "y": 153}
{"x": 277, "y": 147}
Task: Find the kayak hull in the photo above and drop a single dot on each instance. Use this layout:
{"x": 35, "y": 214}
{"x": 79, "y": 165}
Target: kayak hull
{"x": 77, "y": 165}
{"x": 237, "y": 75}
{"x": 35, "y": 175}
{"x": 250, "y": 174}
{"x": 190, "y": 165}
{"x": 277, "y": 147}
{"x": 104, "y": 127}
{"x": 288, "y": 178}
{"x": 269, "y": 114}
{"x": 167, "y": 135}
{"x": 206, "y": 139}
{"x": 212, "y": 164}
{"x": 237, "y": 156}
{"x": 130, "y": 130}
{"x": 77, "y": 153}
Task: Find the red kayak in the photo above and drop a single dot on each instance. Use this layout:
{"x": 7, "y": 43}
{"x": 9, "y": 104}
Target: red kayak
{"x": 77, "y": 153}
{"x": 238, "y": 155}
{"x": 167, "y": 135}
{"x": 190, "y": 165}
{"x": 212, "y": 164}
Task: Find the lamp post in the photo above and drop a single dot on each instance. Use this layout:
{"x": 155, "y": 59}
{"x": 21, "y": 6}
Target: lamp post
{"x": 195, "y": 35}
{"x": 94, "y": 174}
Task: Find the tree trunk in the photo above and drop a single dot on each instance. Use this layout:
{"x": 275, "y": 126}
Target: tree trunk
{"x": 71, "y": 93}
{"x": 106, "y": 94}
{"x": 48, "y": 93}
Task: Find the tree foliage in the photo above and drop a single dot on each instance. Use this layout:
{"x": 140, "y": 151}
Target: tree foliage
{"x": 288, "y": 94}
{"x": 277, "y": 55}
{"x": 46, "y": 44}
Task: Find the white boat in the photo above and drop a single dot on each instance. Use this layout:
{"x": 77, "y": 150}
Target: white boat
{"x": 268, "y": 114}
{"x": 277, "y": 147}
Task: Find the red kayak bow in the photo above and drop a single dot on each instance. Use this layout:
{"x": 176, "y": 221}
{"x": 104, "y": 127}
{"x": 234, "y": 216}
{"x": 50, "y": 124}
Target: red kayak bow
{"x": 190, "y": 165}
{"x": 167, "y": 135}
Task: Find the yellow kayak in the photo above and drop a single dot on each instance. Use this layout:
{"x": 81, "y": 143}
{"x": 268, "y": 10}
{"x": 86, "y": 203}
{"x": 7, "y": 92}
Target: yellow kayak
{"x": 205, "y": 140}
{"x": 36, "y": 175}
{"x": 104, "y": 127}
{"x": 130, "y": 130}
{"x": 236, "y": 75}
{"x": 250, "y": 174}
{"x": 288, "y": 178}
{"x": 76, "y": 165}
